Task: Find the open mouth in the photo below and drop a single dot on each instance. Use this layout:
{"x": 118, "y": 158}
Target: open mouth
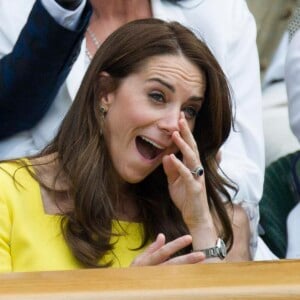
{"x": 147, "y": 148}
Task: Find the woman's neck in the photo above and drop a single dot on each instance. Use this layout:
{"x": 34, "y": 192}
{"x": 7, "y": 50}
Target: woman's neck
{"x": 126, "y": 206}
{"x": 122, "y": 10}
{"x": 110, "y": 15}
{"x": 47, "y": 170}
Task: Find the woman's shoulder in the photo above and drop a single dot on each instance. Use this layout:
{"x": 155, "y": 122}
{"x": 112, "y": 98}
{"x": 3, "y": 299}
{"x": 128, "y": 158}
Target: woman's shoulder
{"x": 9, "y": 169}
{"x": 14, "y": 175}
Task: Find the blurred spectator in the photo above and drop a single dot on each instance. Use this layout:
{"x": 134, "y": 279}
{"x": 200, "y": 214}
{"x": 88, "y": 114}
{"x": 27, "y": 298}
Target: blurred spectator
{"x": 272, "y": 18}
{"x": 277, "y": 23}
{"x": 33, "y": 70}
{"x": 293, "y": 91}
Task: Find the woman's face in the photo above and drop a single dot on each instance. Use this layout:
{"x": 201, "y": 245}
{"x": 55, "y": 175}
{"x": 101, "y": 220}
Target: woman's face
{"x": 144, "y": 112}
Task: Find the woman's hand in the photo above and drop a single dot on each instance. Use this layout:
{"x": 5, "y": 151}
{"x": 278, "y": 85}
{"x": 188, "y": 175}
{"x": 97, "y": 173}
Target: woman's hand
{"x": 159, "y": 253}
{"x": 187, "y": 191}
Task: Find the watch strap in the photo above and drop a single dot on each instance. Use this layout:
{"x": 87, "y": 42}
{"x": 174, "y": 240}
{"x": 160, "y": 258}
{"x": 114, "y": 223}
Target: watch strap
{"x": 219, "y": 250}
{"x": 211, "y": 252}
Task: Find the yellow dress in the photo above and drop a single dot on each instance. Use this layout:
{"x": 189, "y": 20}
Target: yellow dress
{"x": 31, "y": 240}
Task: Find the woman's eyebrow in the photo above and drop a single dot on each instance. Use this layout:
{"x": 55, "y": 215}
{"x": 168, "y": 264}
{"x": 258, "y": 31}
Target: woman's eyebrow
{"x": 172, "y": 88}
{"x": 161, "y": 81}
{"x": 196, "y": 98}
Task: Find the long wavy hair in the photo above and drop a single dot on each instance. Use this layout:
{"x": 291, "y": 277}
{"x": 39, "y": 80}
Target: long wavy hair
{"x": 84, "y": 160}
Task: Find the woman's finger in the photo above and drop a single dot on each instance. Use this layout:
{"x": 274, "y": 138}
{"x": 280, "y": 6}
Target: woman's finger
{"x": 187, "y": 134}
{"x": 191, "y": 258}
{"x": 162, "y": 254}
{"x": 190, "y": 156}
{"x": 169, "y": 249}
{"x": 143, "y": 257}
{"x": 184, "y": 172}
{"x": 170, "y": 169}
{"x": 157, "y": 244}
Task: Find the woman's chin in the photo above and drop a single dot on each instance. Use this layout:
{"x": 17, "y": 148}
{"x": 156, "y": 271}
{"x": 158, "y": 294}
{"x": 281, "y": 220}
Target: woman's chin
{"x": 136, "y": 177}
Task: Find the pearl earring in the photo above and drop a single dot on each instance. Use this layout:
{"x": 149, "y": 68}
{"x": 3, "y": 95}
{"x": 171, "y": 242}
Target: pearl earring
{"x": 103, "y": 110}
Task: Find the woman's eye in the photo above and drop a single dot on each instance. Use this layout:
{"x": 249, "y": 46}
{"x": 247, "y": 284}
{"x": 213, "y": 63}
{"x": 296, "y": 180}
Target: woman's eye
{"x": 190, "y": 112}
{"x": 157, "y": 97}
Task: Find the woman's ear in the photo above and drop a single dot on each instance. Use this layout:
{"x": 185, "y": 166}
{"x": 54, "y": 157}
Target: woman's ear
{"x": 107, "y": 90}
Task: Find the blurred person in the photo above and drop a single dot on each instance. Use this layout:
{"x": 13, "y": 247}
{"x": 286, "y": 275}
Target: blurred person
{"x": 277, "y": 26}
{"x": 40, "y": 60}
{"x": 292, "y": 72}
{"x": 272, "y": 19}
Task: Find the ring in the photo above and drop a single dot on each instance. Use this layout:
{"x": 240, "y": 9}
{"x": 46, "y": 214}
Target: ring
{"x": 198, "y": 171}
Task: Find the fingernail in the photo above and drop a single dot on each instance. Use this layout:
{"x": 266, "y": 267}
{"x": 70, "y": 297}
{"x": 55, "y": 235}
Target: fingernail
{"x": 176, "y": 133}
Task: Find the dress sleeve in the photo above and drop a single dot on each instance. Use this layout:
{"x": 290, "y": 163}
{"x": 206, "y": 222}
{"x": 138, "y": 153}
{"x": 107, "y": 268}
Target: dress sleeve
{"x": 5, "y": 229}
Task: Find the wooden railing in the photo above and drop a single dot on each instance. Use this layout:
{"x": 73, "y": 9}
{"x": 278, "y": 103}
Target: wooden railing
{"x": 251, "y": 280}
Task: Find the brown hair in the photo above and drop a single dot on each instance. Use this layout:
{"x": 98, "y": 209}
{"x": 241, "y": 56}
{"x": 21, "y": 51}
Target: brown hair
{"x": 85, "y": 161}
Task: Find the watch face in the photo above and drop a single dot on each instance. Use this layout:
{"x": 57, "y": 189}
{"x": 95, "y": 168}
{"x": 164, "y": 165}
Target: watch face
{"x": 222, "y": 248}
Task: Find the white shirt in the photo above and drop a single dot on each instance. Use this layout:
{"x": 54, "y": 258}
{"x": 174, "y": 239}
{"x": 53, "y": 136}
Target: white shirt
{"x": 64, "y": 17}
{"x": 293, "y": 233}
{"x": 276, "y": 69}
{"x": 292, "y": 74}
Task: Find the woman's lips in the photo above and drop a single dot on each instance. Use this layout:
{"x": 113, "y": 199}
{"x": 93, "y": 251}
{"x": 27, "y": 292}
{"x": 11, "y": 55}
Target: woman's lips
{"x": 148, "y": 148}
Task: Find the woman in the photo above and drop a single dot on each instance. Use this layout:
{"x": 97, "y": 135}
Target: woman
{"x": 124, "y": 170}
{"x": 222, "y": 24}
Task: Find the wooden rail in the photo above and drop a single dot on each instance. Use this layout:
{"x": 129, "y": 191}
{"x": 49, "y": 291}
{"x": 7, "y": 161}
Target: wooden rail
{"x": 252, "y": 280}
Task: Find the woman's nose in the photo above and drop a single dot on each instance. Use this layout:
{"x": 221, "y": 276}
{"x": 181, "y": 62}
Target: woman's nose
{"x": 169, "y": 122}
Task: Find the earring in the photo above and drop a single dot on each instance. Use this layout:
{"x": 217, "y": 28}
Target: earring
{"x": 103, "y": 110}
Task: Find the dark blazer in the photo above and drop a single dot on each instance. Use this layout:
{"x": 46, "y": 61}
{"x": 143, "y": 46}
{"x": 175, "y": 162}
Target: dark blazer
{"x": 31, "y": 75}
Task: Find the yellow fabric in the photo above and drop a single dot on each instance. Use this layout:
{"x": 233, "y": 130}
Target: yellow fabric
{"x": 31, "y": 240}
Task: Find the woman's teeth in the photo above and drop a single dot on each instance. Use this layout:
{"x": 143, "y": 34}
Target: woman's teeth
{"x": 147, "y": 148}
{"x": 152, "y": 143}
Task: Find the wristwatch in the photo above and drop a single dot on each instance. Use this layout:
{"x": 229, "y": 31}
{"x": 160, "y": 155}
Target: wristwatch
{"x": 219, "y": 250}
